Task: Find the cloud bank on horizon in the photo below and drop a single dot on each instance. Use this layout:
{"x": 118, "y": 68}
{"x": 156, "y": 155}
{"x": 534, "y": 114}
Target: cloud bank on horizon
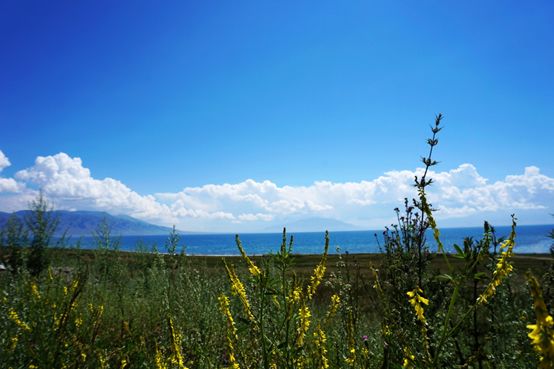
{"x": 462, "y": 195}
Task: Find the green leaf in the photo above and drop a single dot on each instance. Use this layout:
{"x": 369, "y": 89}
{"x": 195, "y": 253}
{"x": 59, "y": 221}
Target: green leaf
{"x": 460, "y": 252}
{"x": 444, "y": 277}
{"x": 480, "y": 275}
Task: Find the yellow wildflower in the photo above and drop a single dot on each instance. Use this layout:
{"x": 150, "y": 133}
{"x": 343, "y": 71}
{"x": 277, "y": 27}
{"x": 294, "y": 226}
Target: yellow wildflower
{"x": 416, "y": 300}
{"x": 102, "y": 359}
{"x": 408, "y": 359}
{"x": 335, "y": 304}
{"x": 176, "y": 338}
{"x": 237, "y": 288}
{"x": 319, "y": 270}
{"x": 252, "y": 268}
{"x": 315, "y": 279}
{"x": 34, "y": 290}
{"x": 503, "y": 266}
{"x": 160, "y": 364}
{"x": 275, "y": 301}
{"x": 14, "y": 340}
{"x": 231, "y": 330}
{"x": 57, "y": 320}
{"x": 321, "y": 345}
{"x": 542, "y": 333}
{"x": 295, "y": 295}
{"x": 351, "y": 358}
{"x": 224, "y": 308}
{"x": 126, "y": 327}
{"x": 431, "y": 219}
{"x": 15, "y": 318}
{"x": 233, "y": 361}
{"x": 304, "y": 315}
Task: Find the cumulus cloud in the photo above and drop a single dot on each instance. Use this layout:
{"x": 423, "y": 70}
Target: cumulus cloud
{"x": 7, "y": 184}
{"x": 4, "y": 161}
{"x": 68, "y": 184}
{"x": 459, "y": 193}
{"x": 463, "y": 191}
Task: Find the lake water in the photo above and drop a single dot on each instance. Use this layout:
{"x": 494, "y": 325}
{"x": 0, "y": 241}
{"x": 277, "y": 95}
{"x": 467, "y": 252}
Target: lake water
{"x": 530, "y": 239}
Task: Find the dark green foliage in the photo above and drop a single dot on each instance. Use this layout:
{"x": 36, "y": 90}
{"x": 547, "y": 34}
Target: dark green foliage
{"x": 173, "y": 242}
{"x": 103, "y": 237}
{"x": 138, "y": 299}
{"x": 404, "y": 268}
{"x": 548, "y": 278}
{"x": 41, "y": 224}
{"x": 14, "y": 237}
{"x": 457, "y": 330}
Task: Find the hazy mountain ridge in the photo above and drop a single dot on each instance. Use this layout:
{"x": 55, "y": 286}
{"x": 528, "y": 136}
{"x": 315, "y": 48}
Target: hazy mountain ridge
{"x": 85, "y": 223}
{"x": 314, "y": 225}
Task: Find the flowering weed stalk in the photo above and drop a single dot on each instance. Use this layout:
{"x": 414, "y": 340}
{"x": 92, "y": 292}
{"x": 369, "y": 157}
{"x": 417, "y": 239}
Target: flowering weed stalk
{"x": 252, "y": 268}
{"x": 542, "y": 332}
{"x": 237, "y": 288}
{"x": 417, "y": 301}
{"x": 232, "y": 337}
{"x": 503, "y": 266}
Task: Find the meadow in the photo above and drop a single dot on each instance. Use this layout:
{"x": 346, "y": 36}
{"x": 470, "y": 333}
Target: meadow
{"x": 484, "y": 306}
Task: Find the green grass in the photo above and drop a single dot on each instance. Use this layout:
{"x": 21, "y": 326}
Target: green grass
{"x": 139, "y": 293}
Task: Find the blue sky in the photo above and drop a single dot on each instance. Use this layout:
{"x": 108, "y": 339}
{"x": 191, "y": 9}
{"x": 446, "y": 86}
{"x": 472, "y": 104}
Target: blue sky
{"x": 164, "y": 97}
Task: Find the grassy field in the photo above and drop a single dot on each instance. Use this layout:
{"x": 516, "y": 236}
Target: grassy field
{"x": 105, "y": 308}
{"x": 303, "y": 263}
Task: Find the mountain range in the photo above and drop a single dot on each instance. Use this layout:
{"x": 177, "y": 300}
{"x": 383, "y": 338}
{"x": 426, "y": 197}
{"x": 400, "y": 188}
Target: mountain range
{"x": 313, "y": 225}
{"x": 85, "y": 223}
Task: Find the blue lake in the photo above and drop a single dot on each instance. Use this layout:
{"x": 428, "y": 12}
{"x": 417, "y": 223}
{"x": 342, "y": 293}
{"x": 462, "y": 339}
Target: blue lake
{"x": 530, "y": 239}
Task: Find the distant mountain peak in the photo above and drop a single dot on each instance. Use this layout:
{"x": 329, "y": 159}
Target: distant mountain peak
{"x": 314, "y": 224}
{"x": 85, "y": 222}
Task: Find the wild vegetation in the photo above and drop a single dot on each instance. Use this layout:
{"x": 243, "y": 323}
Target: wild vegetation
{"x": 404, "y": 308}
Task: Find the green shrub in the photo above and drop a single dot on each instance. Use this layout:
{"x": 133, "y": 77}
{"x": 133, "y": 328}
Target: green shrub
{"x": 42, "y": 224}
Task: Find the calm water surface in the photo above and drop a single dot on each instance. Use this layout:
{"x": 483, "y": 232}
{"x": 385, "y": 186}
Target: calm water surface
{"x": 530, "y": 239}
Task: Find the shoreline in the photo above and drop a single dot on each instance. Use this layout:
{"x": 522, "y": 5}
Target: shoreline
{"x": 535, "y": 255}
{"x": 331, "y": 254}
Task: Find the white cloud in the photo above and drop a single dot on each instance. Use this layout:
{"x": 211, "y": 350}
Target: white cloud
{"x": 458, "y": 193}
{"x": 461, "y": 193}
{"x": 4, "y": 161}
{"x": 254, "y": 217}
{"x": 68, "y": 184}
{"x": 7, "y": 184}
{"x": 468, "y": 193}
